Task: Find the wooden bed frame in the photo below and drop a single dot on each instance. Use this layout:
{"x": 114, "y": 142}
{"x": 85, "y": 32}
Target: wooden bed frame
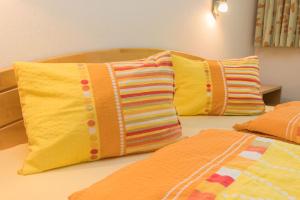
{"x": 12, "y": 131}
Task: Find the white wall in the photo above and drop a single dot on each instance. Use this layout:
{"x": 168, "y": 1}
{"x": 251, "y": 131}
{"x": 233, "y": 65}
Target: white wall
{"x": 35, "y": 29}
{"x": 281, "y": 66}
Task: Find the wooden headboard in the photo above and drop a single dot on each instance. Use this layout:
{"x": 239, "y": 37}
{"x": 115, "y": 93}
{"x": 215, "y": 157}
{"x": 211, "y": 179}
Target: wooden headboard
{"x": 12, "y": 131}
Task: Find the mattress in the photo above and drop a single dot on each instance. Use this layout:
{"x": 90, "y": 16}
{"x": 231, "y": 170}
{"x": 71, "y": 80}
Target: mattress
{"x": 60, "y": 183}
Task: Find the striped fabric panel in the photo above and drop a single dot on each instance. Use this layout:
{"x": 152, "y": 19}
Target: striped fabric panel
{"x": 146, "y": 95}
{"x": 243, "y": 86}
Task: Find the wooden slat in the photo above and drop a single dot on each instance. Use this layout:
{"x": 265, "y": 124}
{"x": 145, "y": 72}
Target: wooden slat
{"x": 12, "y": 135}
{"x": 7, "y": 79}
{"x": 10, "y": 108}
{"x": 112, "y": 55}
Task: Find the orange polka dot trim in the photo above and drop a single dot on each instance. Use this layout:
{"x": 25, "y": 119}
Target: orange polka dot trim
{"x": 91, "y": 116}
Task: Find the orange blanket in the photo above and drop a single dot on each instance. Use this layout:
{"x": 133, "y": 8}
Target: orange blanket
{"x": 214, "y": 164}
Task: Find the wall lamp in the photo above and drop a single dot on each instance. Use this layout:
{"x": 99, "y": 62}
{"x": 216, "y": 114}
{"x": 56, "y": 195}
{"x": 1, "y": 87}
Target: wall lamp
{"x": 219, "y": 6}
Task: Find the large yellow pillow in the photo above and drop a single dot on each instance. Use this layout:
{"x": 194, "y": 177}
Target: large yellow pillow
{"x": 83, "y": 112}
{"x": 229, "y": 87}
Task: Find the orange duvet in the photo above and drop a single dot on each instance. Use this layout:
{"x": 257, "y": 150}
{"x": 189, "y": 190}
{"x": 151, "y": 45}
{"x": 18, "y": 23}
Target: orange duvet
{"x": 214, "y": 164}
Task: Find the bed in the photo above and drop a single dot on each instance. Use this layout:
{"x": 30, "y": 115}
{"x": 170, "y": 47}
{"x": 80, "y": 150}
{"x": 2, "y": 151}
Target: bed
{"x": 60, "y": 183}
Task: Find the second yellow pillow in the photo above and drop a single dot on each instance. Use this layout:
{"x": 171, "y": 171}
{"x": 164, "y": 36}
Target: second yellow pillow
{"x": 229, "y": 87}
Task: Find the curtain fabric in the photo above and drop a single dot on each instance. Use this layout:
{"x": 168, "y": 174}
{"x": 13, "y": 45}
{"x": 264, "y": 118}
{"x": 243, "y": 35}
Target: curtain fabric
{"x": 278, "y": 23}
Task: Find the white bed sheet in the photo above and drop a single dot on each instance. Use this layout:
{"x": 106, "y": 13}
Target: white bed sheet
{"x": 58, "y": 184}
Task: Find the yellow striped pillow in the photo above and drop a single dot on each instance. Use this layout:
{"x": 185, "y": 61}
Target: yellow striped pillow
{"x": 228, "y": 87}
{"x": 83, "y": 112}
